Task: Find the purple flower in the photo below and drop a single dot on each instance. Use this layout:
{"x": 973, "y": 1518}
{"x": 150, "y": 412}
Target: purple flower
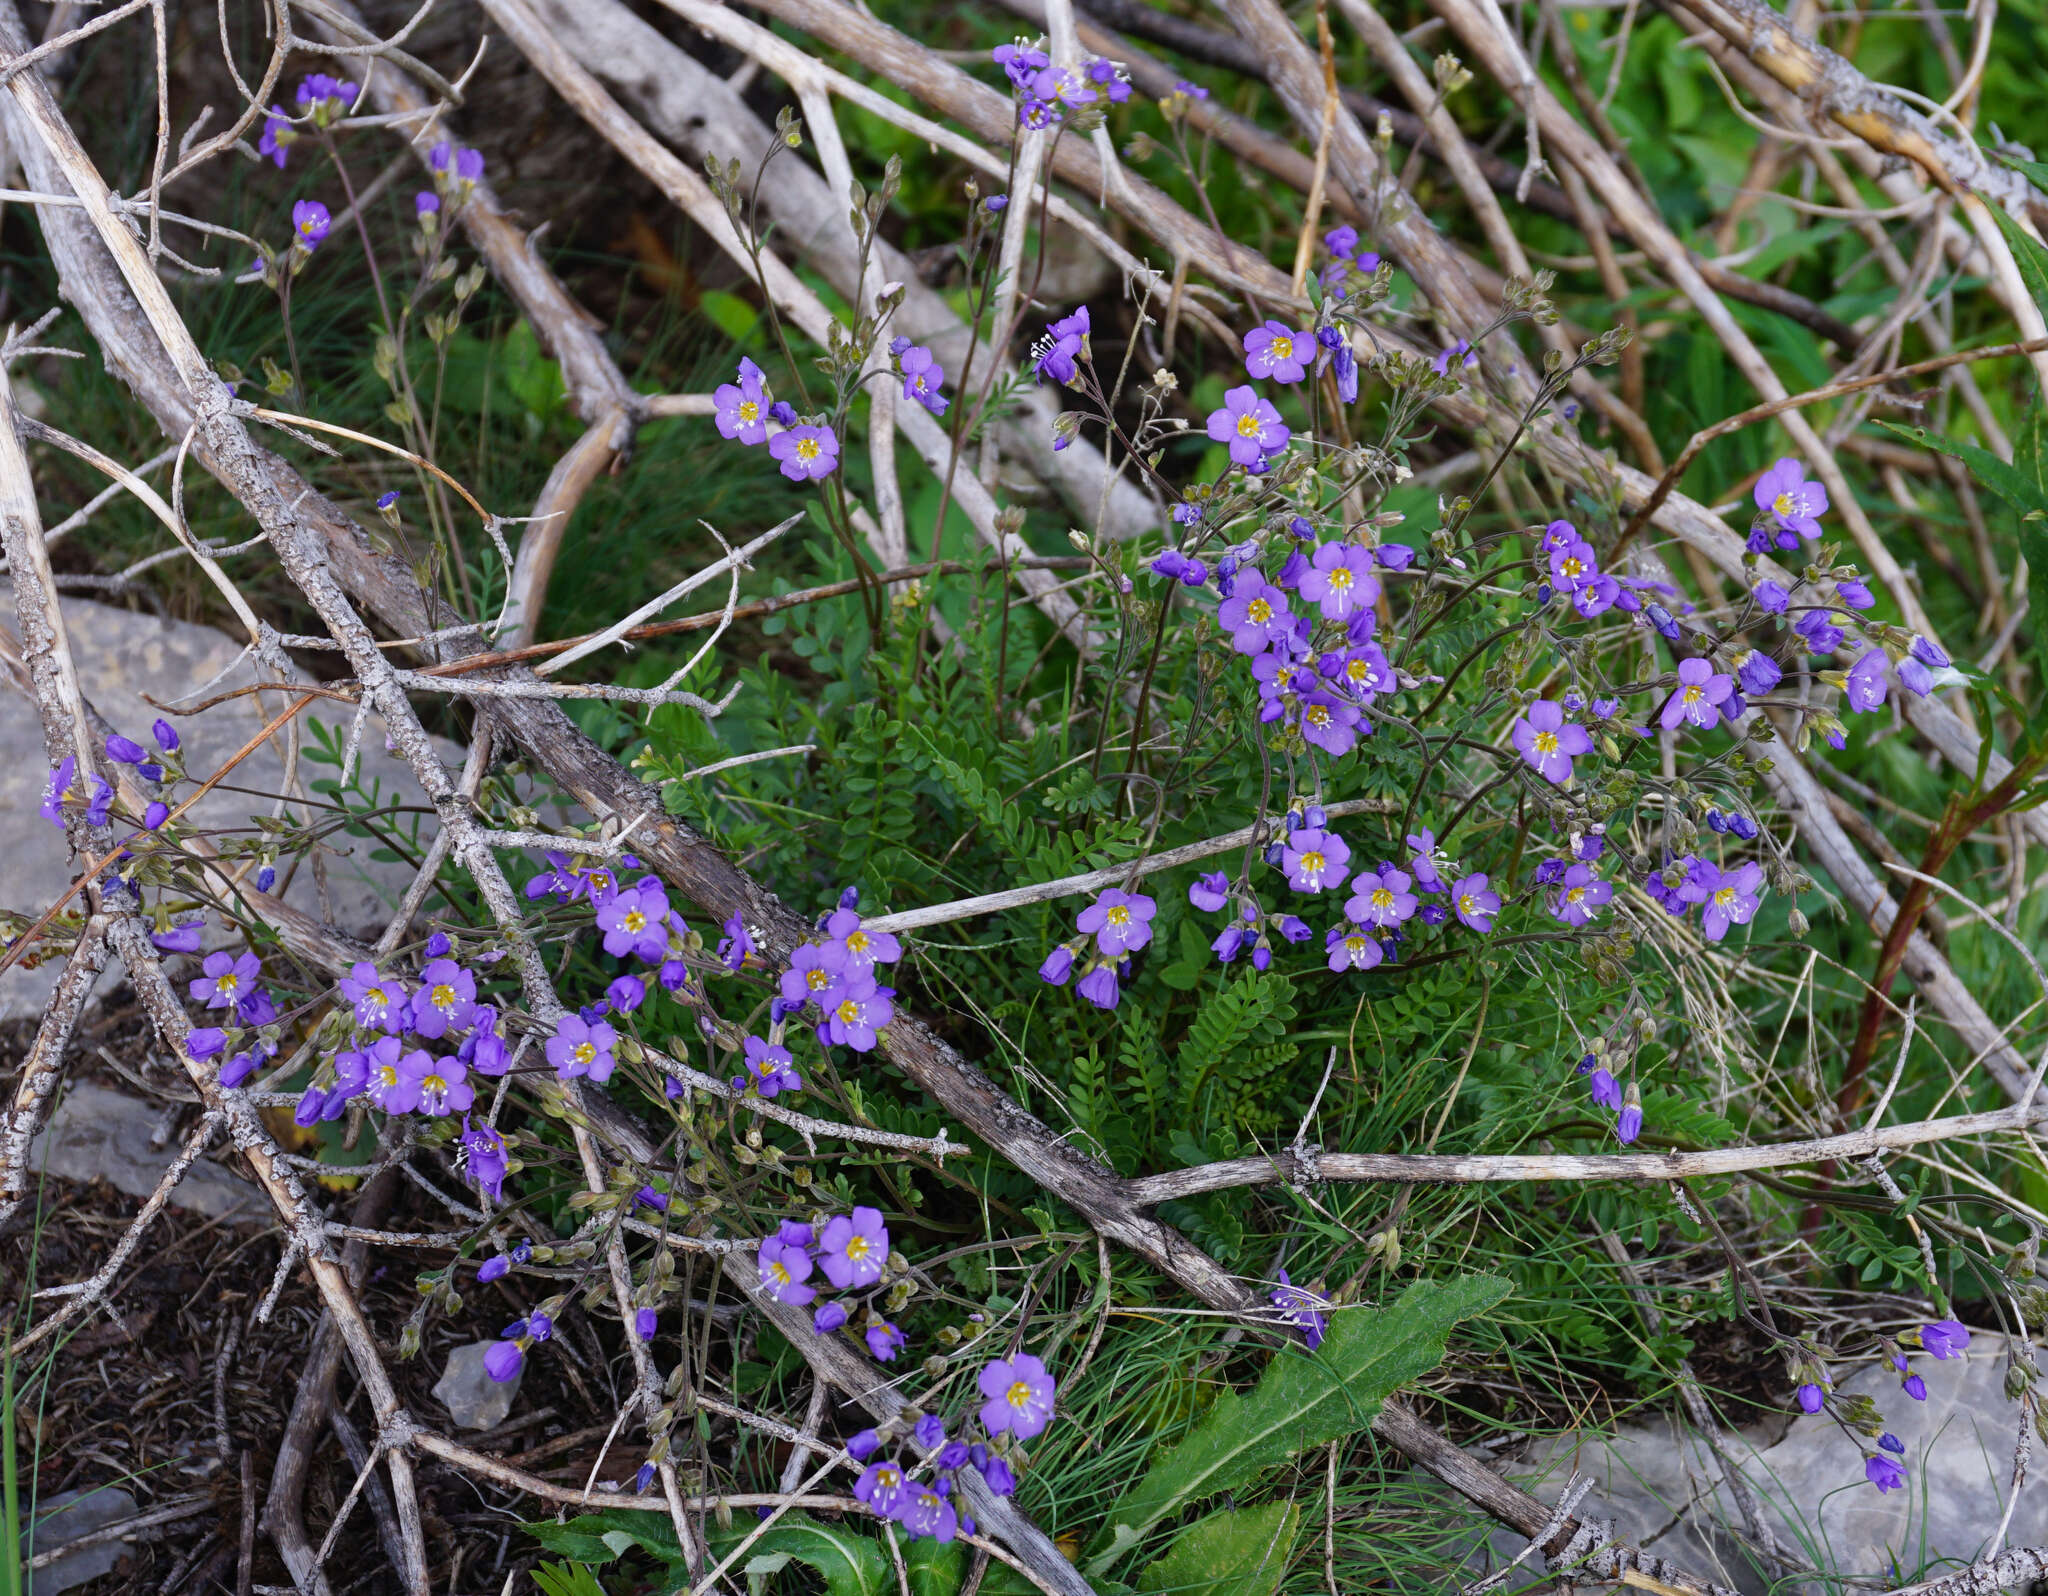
{"x": 446, "y": 999}
{"x": 205, "y": 1041}
{"x": 426, "y": 205}
{"x": 1299, "y": 1310}
{"x": 1275, "y": 350}
{"x": 858, "y": 1009}
{"x": 1864, "y": 687}
{"x": 928, "y": 1514}
{"x": 53, "y": 792}
{"x": 581, "y": 1048}
{"x": 278, "y": 135}
{"x": 467, "y": 166}
{"x": 1757, "y": 672}
{"x": 1120, "y": 922}
{"x": 1381, "y": 897}
{"x": 1330, "y": 723}
{"x": 862, "y": 1445}
{"x": 1461, "y": 351}
{"x": 493, "y": 1269}
{"x": 1855, "y": 594}
{"x": 1630, "y": 1125}
{"x": 636, "y": 921}
{"x": 1818, "y": 627}
{"x": 855, "y": 1246}
{"x": 805, "y": 453}
{"x": 1882, "y": 1472}
{"x": 814, "y": 973}
{"x": 122, "y": 751}
{"x": 645, "y": 1322}
{"x": 1350, "y": 948}
{"x": 310, "y": 223}
{"x": 1099, "y": 987}
{"x": 922, "y": 379}
{"x": 1697, "y": 696}
{"x": 102, "y": 802}
{"x": 784, "y": 1269}
{"x": 484, "y": 1150}
{"x": 829, "y": 1317}
{"x": 1604, "y": 1089}
{"x": 1731, "y": 897}
{"x": 741, "y": 409}
{"x": 1573, "y": 566}
{"x": 1314, "y": 859}
{"x": 1340, "y": 580}
{"x": 379, "y": 1004}
{"x": 1250, "y": 426}
{"x": 1811, "y": 1397}
{"x": 1548, "y": 742}
{"x": 1054, "y": 354}
{"x": 1945, "y": 1338}
{"x": 325, "y": 95}
{"x": 735, "y": 946}
{"x": 1256, "y": 615}
{"x": 1773, "y": 596}
{"x": 1914, "y": 1387}
{"x": 882, "y": 1487}
{"x": 503, "y": 1361}
{"x": 769, "y": 1067}
{"x": 238, "y": 1069}
{"x": 182, "y": 937}
{"x": 226, "y": 981}
{"x": 438, "y": 1085}
{"x": 1210, "y": 892}
{"x": 864, "y": 948}
{"x": 1582, "y": 893}
{"x": 930, "y": 1433}
{"x": 1019, "y": 1396}
{"x": 626, "y": 994}
{"x": 884, "y": 1341}
{"x": 1059, "y": 964}
{"x": 1784, "y": 493}
{"x": 1474, "y": 902}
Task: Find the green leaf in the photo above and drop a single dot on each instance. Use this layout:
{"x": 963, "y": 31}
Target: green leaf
{"x": 1304, "y": 1399}
{"x": 935, "y": 1569}
{"x": 729, "y": 313}
{"x": 2030, "y": 256}
{"x": 1231, "y": 1553}
{"x": 566, "y": 1579}
{"x": 850, "y": 1564}
{"x": 2008, "y": 482}
{"x": 599, "y": 1538}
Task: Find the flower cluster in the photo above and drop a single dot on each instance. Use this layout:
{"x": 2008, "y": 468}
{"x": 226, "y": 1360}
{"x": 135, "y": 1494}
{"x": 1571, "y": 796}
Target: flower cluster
{"x": 835, "y": 983}
{"x": 1046, "y": 95}
{"x": 804, "y": 449}
{"x": 1018, "y": 1394}
{"x": 852, "y": 1252}
{"x": 1815, "y": 1392}
{"x": 1117, "y": 924}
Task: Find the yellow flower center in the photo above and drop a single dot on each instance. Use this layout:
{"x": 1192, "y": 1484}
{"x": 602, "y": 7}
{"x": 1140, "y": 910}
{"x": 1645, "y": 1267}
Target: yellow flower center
{"x": 1382, "y": 898}
{"x": 1020, "y": 1393}
{"x": 1572, "y": 567}
{"x": 857, "y": 1248}
{"x": 1464, "y": 903}
{"x": 779, "y": 1272}
{"x": 749, "y": 410}
{"x": 1546, "y": 742}
{"x": 1340, "y": 578}
{"x": 1574, "y": 894}
{"x": 635, "y": 920}
{"x": 849, "y": 1011}
{"x": 1725, "y": 896}
{"x": 443, "y": 996}
{"x": 1317, "y": 715}
{"x": 585, "y": 1052}
{"x": 1785, "y": 503}
{"x": 1258, "y": 612}
{"x": 1313, "y": 863}
{"x": 807, "y": 448}
{"x": 888, "y": 1479}
{"x": 433, "y": 1083}
{"x": 1355, "y": 945}
{"x": 1281, "y": 348}
{"x": 228, "y": 982}
{"x": 387, "y": 1075}
{"x": 1118, "y": 915}
{"x": 1248, "y": 425}
{"x": 857, "y": 942}
{"x": 1692, "y": 693}
{"x": 816, "y": 979}
{"x": 1357, "y": 670}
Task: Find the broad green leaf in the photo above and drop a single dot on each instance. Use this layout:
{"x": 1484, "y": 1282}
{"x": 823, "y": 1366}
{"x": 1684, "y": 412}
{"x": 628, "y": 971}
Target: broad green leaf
{"x": 2028, "y": 253}
{"x": 566, "y": 1579}
{"x": 2008, "y": 482}
{"x": 2037, "y": 170}
{"x": 599, "y": 1538}
{"x": 1230, "y": 1553}
{"x": 1304, "y": 1399}
{"x": 851, "y": 1564}
{"x": 935, "y": 1570}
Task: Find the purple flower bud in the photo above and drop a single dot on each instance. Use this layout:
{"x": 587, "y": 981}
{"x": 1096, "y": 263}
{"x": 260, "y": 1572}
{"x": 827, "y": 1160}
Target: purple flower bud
{"x": 1811, "y": 1397}
{"x": 783, "y": 411}
{"x": 1059, "y": 964}
{"x": 1605, "y": 1090}
{"x": 503, "y": 1361}
{"x": 996, "y": 204}
{"x": 829, "y": 1317}
{"x": 123, "y": 751}
{"x": 643, "y": 1482}
{"x": 1394, "y": 556}
{"x": 494, "y": 1269}
{"x": 426, "y": 203}
{"x": 1930, "y": 654}
{"x": 206, "y": 1042}
{"x": 644, "y": 1323}
{"x": 863, "y": 1445}
{"x": 154, "y": 816}
{"x": 1773, "y": 596}
{"x": 1914, "y": 1387}
{"x": 540, "y": 1326}
{"x": 627, "y": 993}
{"x": 388, "y": 502}
{"x": 266, "y": 878}
{"x": 1630, "y": 1125}
{"x": 237, "y": 1070}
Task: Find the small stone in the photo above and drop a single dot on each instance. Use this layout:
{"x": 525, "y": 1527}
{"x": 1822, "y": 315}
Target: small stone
{"x": 473, "y": 1399}
{"x": 67, "y": 1516}
{"x": 95, "y": 1132}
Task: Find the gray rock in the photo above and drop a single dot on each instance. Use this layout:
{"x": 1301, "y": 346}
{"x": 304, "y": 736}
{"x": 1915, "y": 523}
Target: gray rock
{"x": 67, "y": 1516}
{"x": 1664, "y": 1491}
{"x": 473, "y": 1399}
{"x": 120, "y": 656}
{"x": 94, "y": 1132}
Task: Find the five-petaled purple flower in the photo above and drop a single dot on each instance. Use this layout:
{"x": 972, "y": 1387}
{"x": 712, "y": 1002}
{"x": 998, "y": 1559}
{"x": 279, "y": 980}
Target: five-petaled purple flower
{"x": 1340, "y": 580}
{"x": 446, "y": 999}
{"x": 784, "y": 1269}
{"x": 1314, "y": 859}
{"x": 1795, "y": 503}
{"x": 1210, "y": 892}
{"x": 1548, "y": 742}
{"x": 1277, "y": 351}
{"x": 1945, "y": 1338}
{"x": 1882, "y": 1472}
{"x": 1581, "y": 892}
{"x": 857, "y": 1010}
{"x": 805, "y": 453}
{"x": 310, "y": 223}
{"x": 769, "y": 1067}
{"x": 741, "y": 409}
{"x": 1697, "y": 698}
{"x": 1474, "y": 903}
{"x": 636, "y": 921}
{"x": 1120, "y": 922}
{"x": 1381, "y": 897}
{"x": 1019, "y": 1395}
{"x": 1256, "y": 614}
{"x": 854, "y": 1247}
{"x": 581, "y": 1047}
{"x": 1351, "y": 948}
{"x": 923, "y": 377}
{"x": 227, "y": 979}
{"x": 483, "y": 1149}
{"x": 1863, "y": 689}
{"x": 1299, "y": 1309}
{"x": 1250, "y": 426}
